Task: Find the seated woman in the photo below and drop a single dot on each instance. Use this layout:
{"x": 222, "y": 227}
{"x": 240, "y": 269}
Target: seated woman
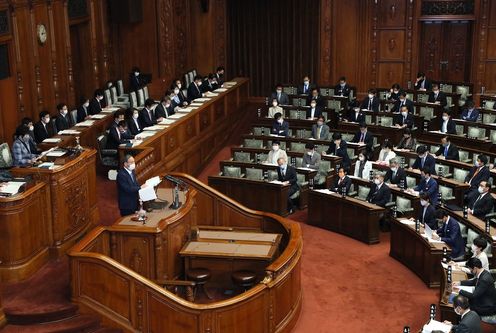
{"x": 478, "y": 247}
{"x": 386, "y": 153}
{"x": 21, "y": 150}
{"x": 407, "y": 142}
{"x": 274, "y": 109}
{"x": 362, "y": 166}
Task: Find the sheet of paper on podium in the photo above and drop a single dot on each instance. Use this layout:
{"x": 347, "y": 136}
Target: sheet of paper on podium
{"x": 147, "y": 194}
{"x": 154, "y": 181}
{"x": 11, "y": 188}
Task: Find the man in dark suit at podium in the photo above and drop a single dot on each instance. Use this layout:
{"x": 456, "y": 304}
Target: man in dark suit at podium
{"x": 43, "y": 129}
{"x": 379, "y": 194}
{"x": 128, "y": 187}
{"x": 287, "y": 174}
{"x": 95, "y": 104}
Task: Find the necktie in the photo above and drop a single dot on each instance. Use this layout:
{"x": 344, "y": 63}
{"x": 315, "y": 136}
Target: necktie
{"x": 445, "y": 151}
{"x": 475, "y": 174}
{"x": 394, "y": 174}
{"x": 283, "y": 172}
{"x": 118, "y": 133}
{"x": 370, "y": 104}
{"x": 404, "y": 120}
{"x": 362, "y": 137}
{"x": 478, "y": 198}
{"x": 469, "y": 113}
{"x": 85, "y": 112}
{"x": 318, "y": 132}
{"x": 423, "y": 214}
{"x": 383, "y": 156}
{"x": 137, "y": 125}
{"x": 423, "y": 161}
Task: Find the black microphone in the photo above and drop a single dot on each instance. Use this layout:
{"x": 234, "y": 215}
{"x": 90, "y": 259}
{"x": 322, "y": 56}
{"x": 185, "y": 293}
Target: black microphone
{"x": 176, "y": 181}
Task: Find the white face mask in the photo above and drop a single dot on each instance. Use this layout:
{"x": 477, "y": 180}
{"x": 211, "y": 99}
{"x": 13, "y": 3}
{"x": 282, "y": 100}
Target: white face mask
{"x": 167, "y": 105}
{"x": 275, "y": 148}
{"x": 176, "y": 91}
{"x": 86, "y": 104}
{"x": 64, "y": 112}
{"x": 319, "y": 123}
{"x": 309, "y": 153}
{"x": 26, "y": 138}
{"x": 480, "y": 189}
{"x": 377, "y": 181}
{"x": 179, "y": 85}
{"x": 474, "y": 248}
{"x": 361, "y": 158}
{"x": 131, "y": 166}
{"x": 476, "y": 163}
{"x": 357, "y": 110}
{"x": 371, "y": 96}
{"x": 31, "y": 128}
{"x": 313, "y": 105}
{"x": 445, "y": 118}
{"x": 423, "y": 203}
{"x": 280, "y": 121}
{"x": 457, "y": 311}
{"x": 135, "y": 115}
{"x": 199, "y": 83}
{"x": 394, "y": 169}
{"x": 306, "y": 82}
{"x": 46, "y": 120}
{"x": 279, "y": 91}
{"x": 136, "y": 73}
{"x": 274, "y": 104}
{"x": 404, "y": 114}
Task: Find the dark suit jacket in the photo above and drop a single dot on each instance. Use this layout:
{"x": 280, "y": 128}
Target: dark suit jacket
{"x": 207, "y": 86}
{"x": 82, "y": 113}
{"x": 346, "y": 183}
{"x": 283, "y": 99}
{"x": 379, "y": 197}
{"x": 94, "y": 107}
{"x": 280, "y": 129}
{"x": 473, "y": 116}
{"x": 430, "y": 162}
{"x": 318, "y": 99}
{"x": 408, "y": 103}
{"x": 344, "y": 91}
{"x": 400, "y": 120}
{"x": 127, "y": 189}
{"x": 41, "y": 132}
{"x": 114, "y": 140}
{"x": 483, "y": 174}
{"x": 341, "y": 152}
{"x": 160, "y": 111}
{"x": 352, "y": 116}
{"x": 483, "y": 206}
{"x": 451, "y": 235}
{"x": 450, "y": 127}
{"x": 429, "y": 217}
{"x": 427, "y": 85}
{"x": 290, "y": 176}
{"x": 483, "y": 299}
{"x": 220, "y": 79}
{"x": 430, "y": 188}
{"x": 63, "y": 123}
{"x": 194, "y": 92}
{"x": 375, "y": 104}
{"x": 394, "y": 96}
{"x": 131, "y": 126}
{"x": 399, "y": 176}
{"x": 181, "y": 97}
{"x": 317, "y": 113}
{"x": 470, "y": 323}
{"x": 308, "y": 91}
{"x": 145, "y": 119}
{"x": 135, "y": 82}
{"x": 368, "y": 140}
{"x": 441, "y": 98}
{"x": 452, "y": 152}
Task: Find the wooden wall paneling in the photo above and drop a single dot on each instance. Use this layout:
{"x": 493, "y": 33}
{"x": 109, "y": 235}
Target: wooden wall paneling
{"x": 220, "y": 35}
{"x": 165, "y": 39}
{"x": 94, "y": 44}
{"x": 325, "y": 63}
{"x": 65, "y": 91}
{"x": 182, "y": 43}
{"x": 101, "y": 20}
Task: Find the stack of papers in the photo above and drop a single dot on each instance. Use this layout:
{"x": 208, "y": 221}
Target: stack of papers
{"x": 154, "y": 181}
{"x": 230, "y": 83}
{"x": 304, "y": 168}
{"x": 111, "y": 108}
{"x": 52, "y": 140}
{"x": 98, "y": 116}
{"x": 276, "y": 182}
{"x": 69, "y": 132}
{"x": 46, "y": 165}
{"x": 407, "y": 222}
{"x": 211, "y": 94}
{"x": 156, "y": 128}
{"x": 435, "y": 325}
{"x": 11, "y": 188}
{"x": 220, "y": 90}
{"x": 86, "y": 123}
{"x": 167, "y": 121}
{"x": 468, "y": 289}
{"x": 196, "y": 104}
{"x": 188, "y": 109}
{"x": 147, "y": 193}
{"x": 147, "y": 134}
{"x": 56, "y": 153}
{"x": 204, "y": 99}
{"x": 325, "y": 191}
{"x": 177, "y": 115}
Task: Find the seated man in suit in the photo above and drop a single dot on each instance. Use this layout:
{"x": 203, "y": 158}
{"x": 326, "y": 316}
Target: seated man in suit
{"x": 128, "y": 187}
{"x": 437, "y": 96}
{"x": 364, "y": 137}
{"x": 21, "y": 150}
{"x": 404, "y": 119}
{"x": 482, "y": 204}
{"x": 133, "y": 123}
{"x": 450, "y": 233}
{"x": 320, "y": 131}
{"x": 342, "y": 88}
{"x": 63, "y": 120}
{"x": 371, "y": 102}
{"x": 43, "y": 129}
{"x": 276, "y": 153}
{"x": 287, "y": 174}
{"x": 394, "y": 93}
{"x": 315, "y": 96}
{"x": 479, "y": 172}
{"x": 83, "y": 112}
{"x": 311, "y": 159}
{"x": 147, "y": 116}
{"x": 427, "y": 214}
{"x": 118, "y": 116}
{"x": 421, "y": 83}
{"x": 194, "y": 89}
{"x": 339, "y": 147}
{"x": 379, "y": 194}
{"x": 447, "y": 150}
{"x": 401, "y": 102}
{"x": 95, "y": 104}
{"x": 118, "y": 135}
{"x": 428, "y": 186}
{"x": 281, "y": 97}
{"x": 424, "y": 160}
{"x": 275, "y": 108}
{"x": 395, "y": 174}
{"x": 306, "y": 87}
{"x": 342, "y": 182}
{"x": 483, "y": 298}
{"x": 209, "y": 84}
{"x": 179, "y": 99}
{"x": 470, "y": 113}
{"x": 470, "y": 321}
{"x": 355, "y": 115}
{"x": 280, "y": 126}
{"x": 447, "y": 125}
{"x": 219, "y": 75}
{"x": 314, "y": 111}
{"x": 163, "y": 109}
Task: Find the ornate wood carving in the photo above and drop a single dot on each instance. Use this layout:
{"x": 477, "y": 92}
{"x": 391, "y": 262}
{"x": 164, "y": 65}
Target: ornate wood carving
{"x": 94, "y": 45}
{"x": 373, "y": 45}
{"x": 409, "y": 42}
{"x": 53, "y": 52}
{"x": 139, "y": 292}
{"x": 484, "y": 9}
{"x": 220, "y": 33}
{"x": 325, "y": 42}
{"x": 166, "y": 27}
{"x": 68, "y": 51}
{"x": 181, "y": 15}
{"x": 4, "y": 22}
{"x": 464, "y": 7}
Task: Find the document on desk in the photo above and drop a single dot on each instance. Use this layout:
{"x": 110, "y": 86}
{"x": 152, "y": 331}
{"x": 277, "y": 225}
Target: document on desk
{"x": 177, "y": 115}
{"x": 52, "y": 140}
{"x": 98, "y": 116}
{"x": 11, "y": 188}
{"x": 187, "y": 109}
{"x": 407, "y": 222}
{"x": 220, "y": 90}
{"x": 154, "y": 181}
{"x": 211, "y": 94}
{"x": 111, "y": 109}
{"x": 276, "y": 182}
{"x": 167, "y": 121}
{"x": 468, "y": 289}
{"x": 86, "y": 123}
{"x": 435, "y": 325}
{"x": 196, "y": 104}
{"x": 147, "y": 134}
{"x": 147, "y": 193}
{"x": 453, "y": 267}
{"x": 56, "y": 153}
{"x": 325, "y": 191}
{"x": 230, "y": 83}
{"x": 203, "y": 99}
{"x": 304, "y": 168}
{"x": 155, "y": 128}
{"x": 46, "y": 165}
{"x": 69, "y": 132}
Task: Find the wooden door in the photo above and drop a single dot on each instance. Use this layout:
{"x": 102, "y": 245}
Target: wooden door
{"x": 445, "y": 50}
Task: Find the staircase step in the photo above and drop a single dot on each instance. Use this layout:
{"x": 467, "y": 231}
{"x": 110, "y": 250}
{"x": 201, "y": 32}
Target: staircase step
{"x": 43, "y": 314}
{"x": 76, "y": 324}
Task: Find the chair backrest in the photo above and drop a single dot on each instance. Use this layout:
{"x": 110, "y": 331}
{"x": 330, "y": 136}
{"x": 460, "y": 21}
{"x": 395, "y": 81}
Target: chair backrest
{"x": 231, "y": 171}
{"x": 459, "y": 174}
{"x": 141, "y": 97}
{"x": 433, "y": 148}
{"x": 411, "y": 181}
{"x": 298, "y": 162}
{"x": 254, "y": 174}
{"x": 476, "y": 132}
{"x": 347, "y": 136}
{"x": 422, "y": 97}
{"x": 120, "y": 87}
{"x": 300, "y": 179}
{"x": 351, "y": 152}
{"x": 6, "y": 160}
{"x": 459, "y": 129}
{"x": 326, "y": 91}
{"x": 446, "y": 192}
{"x": 106, "y": 95}
{"x": 493, "y": 136}
{"x": 241, "y": 156}
{"x": 145, "y": 92}
{"x": 113, "y": 94}
{"x": 363, "y": 192}
{"x": 102, "y": 144}
{"x": 368, "y": 119}
{"x": 449, "y": 101}
{"x": 386, "y": 121}
{"x": 290, "y": 90}
{"x": 272, "y": 175}
{"x": 74, "y": 116}
{"x": 427, "y": 112}
{"x": 409, "y": 95}
{"x": 488, "y": 118}
{"x": 258, "y": 130}
{"x": 253, "y": 143}
{"x": 321, "y": 148}
{"x": 333, "y": 104}
{"x": 382, "y": 94}
{"x": 324, "y": 167}
{"x": 488, "y": 104}
{"x": 133, "y": 99}
{"x": 298, "y": 147}
{"x": 442, "y": 168}
{"x": 403, "y": 204}
{"x": 471, "y": 235}
{"x": 463, "y": 154}
{"x": 447, "y": 88}
{"x": 263, "y": 156}
{"x": 297, "y": 114}
{"x": 463, "y": 91}
{"x": 303, "y": 133}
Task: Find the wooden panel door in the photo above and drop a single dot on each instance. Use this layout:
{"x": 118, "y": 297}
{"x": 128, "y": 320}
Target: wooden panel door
{"x": 445, "y": 50}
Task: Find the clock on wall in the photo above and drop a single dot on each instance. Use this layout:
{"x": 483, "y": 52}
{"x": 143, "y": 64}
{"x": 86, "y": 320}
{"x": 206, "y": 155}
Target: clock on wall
{"x": 42, "y": 33}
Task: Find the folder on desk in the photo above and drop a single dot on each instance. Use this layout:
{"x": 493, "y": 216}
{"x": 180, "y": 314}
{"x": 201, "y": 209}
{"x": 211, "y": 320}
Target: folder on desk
{"x": 435, "y": 325}
{"x": 52, "y": 140}
{"x": 98, "y": 116}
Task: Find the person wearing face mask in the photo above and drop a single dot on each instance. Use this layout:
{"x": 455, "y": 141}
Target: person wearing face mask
{"x": 421, "y": 83}
{"x": 483, "y": 299}
{"x": 407, "y": 141}
{"x": 311, "y": 159}
{"x": 481, "y": 204}
{"x": 276, "y": 153}
{"x": 401, "y": 102}
{"x": 209, "y": 84}
{"x": 428, "y": 185}
{"x": 478, "y": 246}
{"x": 118, "y": 116}
{"x": 136, "y": 82}
{"x": 128, "y": 187}
{"x": 339, "y": 147}
{"x": 43, "y": 129}
{"x": 164, "y": 109}
{"x": 133, "y": 123}
{"x": 281, "y": 97}
{"x": 447, "y": 150}
{"x": 219, "y": 75}
{"x": 470, "y": 113}
{"x": 447, "y": 125}
{"x": 470, "y": 321}
{"x": 479, "y": 172}
{"x": 95, "y": 106}
{"x": 279, "y": 126}
{"x": 394, "y": 93}
{"x": 21, "y": 150}
{"x": 147, "y": 115}
{"x": 366, "y": 138}
{"x": 314, "y": 111}
{"x": 427, "y": 213}
{"x": 315, "y": 97}
{"x": 424, "y": 161}
{"x": 306, "y": 87}
{"x": 355, "y": 114}
{"x": 363, "y": 167}
{"x": 404, "y": 119}
{"x": 63, "y": 120}
{"x": 342, "y": 182}
{"x": 287, "y": 174}
{"x": 342, "y": 88}
{"x": 320, "y": 131}
{"x": 386, "y": 153}
{"x": 28, "y": 122}
{"x": 118, "y": 135}
{"x": 83, "y": 112}
{"x": 379, "y": 193}
{"x": 395, "y": 174}
{"x": 437, "y": 96}
{"x": 450, "y": 233}
{"x": 195, "y": 89}
{"x": 179, "y": 98}
{"x": 274, "y": 109}
{"x": 371, "y": 102}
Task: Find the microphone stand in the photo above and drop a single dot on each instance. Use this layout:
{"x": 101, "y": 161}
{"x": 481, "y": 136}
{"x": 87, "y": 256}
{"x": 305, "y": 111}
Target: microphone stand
{"x": 175, "y": 195}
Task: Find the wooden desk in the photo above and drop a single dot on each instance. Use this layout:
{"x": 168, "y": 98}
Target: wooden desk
{"x": 446, "y": 309}
{"x": 460, "y": 140}
{"x": 416, "y": 252}
{"x": 348, "y": 216}
{"x": 254, "y": 194}
{"x": 393, "y": 133}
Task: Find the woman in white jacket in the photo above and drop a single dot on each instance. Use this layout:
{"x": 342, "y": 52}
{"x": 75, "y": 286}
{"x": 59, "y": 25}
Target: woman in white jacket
{"x": 362, "y": 166}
